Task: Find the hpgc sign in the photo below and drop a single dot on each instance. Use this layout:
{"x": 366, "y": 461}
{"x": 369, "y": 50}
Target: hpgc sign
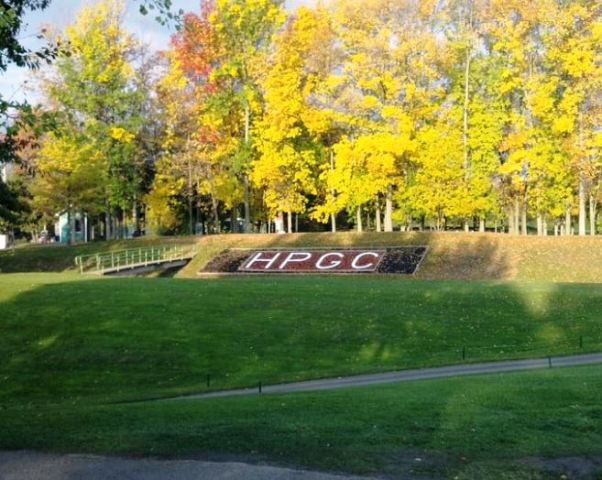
{"x": 401, "y": 260}
{"x": 345, "y": 261}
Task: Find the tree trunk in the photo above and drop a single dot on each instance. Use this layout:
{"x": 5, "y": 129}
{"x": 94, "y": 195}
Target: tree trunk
{"x": 216, "y": 224}
{"x": 190, "y": 195}
{"x": 377, "y": 217}
{"x": 136, "y": 217}
{"x": 524, "y": 217}
{"x": 247, "y": 186}
{"x": 233, "y": 222}
{"x": 482, "y": 225}
{"x": 333, "y": 216}
{"x": 516, "y": 216}
{"x": 582, "y": 210}
{"x": 190, "y": 216}
{"x": 544, "y": 225}
{"x": 592, "y": 215}
{"x": 289, "y": 222}
{"x": 467, "y": 62}
{"x": 279, "y": 223}
{"x": 539, "y": 224}
{"x": 108, "y": 229}
{"x": 582, "y": 187}
{"x": 359, "y": 219}
{"x": 71, "y": 219}
{"x": 567, "y": 221}
{"x": 510, "y": 219}
{"x": 389, "y": 209}
{"x": 247, "y": 203}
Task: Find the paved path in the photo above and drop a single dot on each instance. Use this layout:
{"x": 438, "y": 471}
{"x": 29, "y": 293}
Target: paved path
{"x": 406, "y": 375}
{"x": 39, "y": 466}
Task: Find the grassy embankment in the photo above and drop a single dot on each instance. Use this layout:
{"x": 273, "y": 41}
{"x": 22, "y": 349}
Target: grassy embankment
{"x": 451, "y": 255}
{"x": 61, "y": 258}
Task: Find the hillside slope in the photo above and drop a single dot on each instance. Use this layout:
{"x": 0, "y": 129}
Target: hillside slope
{"x": 451, "y": 255}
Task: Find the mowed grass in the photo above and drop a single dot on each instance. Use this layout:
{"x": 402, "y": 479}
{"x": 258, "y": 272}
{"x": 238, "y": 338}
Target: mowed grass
{"x": 510, "y": 426}
{"x": 66, "y": 338}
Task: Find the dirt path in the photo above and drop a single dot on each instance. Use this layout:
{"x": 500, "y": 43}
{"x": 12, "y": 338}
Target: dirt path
{"x": 406, "y": 375}
{"x": 40, "y": 466}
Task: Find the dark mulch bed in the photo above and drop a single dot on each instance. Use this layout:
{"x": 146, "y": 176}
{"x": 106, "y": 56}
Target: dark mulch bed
{"x": 402, "y": 260}
{"x": 227, "y": 262}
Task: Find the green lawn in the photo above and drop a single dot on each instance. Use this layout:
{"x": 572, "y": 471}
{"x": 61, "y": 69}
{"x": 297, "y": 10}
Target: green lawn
{"x": 67, "y": 338}
{"x": 71, "y": 346}
{"x": 485, "y": 427}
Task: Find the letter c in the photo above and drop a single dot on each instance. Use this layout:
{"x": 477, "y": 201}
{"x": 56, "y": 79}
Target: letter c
{"x": 356, "y": 265}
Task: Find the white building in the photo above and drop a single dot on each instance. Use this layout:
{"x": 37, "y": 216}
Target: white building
{"x": 62, "y": 229}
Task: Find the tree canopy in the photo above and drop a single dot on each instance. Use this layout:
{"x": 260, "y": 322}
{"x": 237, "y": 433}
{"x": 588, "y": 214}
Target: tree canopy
{"x": 367, "y": 113}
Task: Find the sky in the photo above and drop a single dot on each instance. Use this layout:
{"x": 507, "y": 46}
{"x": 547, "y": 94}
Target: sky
{"x": 15, "y": 83}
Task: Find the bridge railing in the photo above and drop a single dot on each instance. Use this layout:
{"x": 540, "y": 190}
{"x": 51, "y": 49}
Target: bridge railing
{"x": 118, "y": 260}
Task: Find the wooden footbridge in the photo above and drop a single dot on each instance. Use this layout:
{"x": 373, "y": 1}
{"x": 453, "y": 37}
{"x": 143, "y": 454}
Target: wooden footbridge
{"x": 106, "y": 263}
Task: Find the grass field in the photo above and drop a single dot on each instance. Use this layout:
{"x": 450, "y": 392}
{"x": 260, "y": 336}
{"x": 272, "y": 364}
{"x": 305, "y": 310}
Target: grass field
{"x": 72, "y": 347}
{"x": 510, "y": 426}
{"x": 63, "y": 337}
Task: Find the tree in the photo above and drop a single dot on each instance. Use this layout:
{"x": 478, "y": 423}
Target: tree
{"x": 14, "y": 116}
{"x": 245, "y": 29}
{"x": 92, "y": 87}
{"x": 289, "y": 135}
{"x": 70, "y": 176}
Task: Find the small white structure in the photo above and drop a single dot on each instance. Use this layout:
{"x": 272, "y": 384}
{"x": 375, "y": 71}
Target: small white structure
{"x": 63, "y": 231}
{"x": 4, "y": 237}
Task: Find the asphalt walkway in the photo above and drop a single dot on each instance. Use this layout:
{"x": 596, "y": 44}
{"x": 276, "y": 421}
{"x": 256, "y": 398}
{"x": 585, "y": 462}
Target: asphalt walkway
{"x": 42, "y": 466}
{"x": 406, "y": 375}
